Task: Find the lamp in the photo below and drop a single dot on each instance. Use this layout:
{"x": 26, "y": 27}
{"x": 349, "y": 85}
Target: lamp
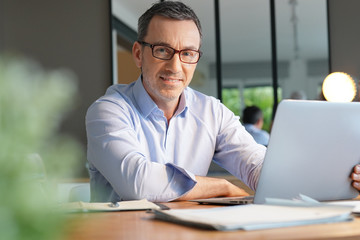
{"x": 339, "y": 87}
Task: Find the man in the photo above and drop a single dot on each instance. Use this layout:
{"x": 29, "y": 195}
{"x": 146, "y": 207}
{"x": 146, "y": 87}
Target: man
{"x": 155, "y": 138}
{"x": 253, "y": 121}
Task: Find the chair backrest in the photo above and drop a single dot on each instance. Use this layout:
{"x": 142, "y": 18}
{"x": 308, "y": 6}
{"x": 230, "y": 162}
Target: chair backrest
{"x": 80, "y": 192}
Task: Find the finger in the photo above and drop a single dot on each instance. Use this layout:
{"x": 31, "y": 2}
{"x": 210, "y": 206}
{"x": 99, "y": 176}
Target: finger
{"x": 357, "y": 169}
{"x": 356, "y": 185}
{"x": 355, "y": 177}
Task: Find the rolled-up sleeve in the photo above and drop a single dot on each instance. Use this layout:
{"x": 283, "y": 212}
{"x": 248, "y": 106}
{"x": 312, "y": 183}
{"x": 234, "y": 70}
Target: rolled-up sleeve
{"x": 114, "y": 153}
{"x": 237, "y": 151}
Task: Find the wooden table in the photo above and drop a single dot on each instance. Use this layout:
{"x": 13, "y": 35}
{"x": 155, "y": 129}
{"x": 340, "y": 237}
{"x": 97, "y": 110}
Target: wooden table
{"x": 141, "y": 225}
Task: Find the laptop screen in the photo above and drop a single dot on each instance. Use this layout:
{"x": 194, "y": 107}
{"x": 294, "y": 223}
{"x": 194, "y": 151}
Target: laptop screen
{"x": 313, "y": 148}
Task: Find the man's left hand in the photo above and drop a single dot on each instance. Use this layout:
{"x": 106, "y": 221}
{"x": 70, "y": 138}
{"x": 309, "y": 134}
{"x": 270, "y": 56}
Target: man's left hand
{"x": 355, "y": 176}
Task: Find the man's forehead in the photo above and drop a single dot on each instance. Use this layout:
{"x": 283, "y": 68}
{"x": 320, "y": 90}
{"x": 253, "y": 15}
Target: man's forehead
{"x": 161, "y": 29}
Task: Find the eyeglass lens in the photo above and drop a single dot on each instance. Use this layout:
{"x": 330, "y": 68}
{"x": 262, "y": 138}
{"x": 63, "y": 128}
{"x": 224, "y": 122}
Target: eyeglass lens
{"x": 166, "y": 53}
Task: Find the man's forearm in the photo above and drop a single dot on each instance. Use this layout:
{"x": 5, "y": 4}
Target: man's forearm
{"x": 207, "y": 187}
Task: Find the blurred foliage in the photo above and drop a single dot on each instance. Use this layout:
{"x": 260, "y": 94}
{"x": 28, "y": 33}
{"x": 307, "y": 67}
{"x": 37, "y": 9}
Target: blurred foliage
{"x": 231, "y": 99}
{"x": 33, "y": 153}
{"x": 261, "y": 97}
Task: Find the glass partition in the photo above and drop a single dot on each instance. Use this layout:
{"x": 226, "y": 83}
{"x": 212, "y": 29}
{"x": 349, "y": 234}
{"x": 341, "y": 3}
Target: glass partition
{"x": 246, "y": 56}
{"x": 302, "y": 45}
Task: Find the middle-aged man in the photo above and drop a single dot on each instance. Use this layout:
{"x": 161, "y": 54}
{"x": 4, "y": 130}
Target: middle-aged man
{"x": 156, "y": 137}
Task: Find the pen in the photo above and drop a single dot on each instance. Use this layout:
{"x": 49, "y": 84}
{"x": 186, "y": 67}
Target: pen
{"x": 114, "y": 204}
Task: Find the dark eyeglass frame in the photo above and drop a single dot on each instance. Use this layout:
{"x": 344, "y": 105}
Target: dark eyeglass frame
{"x": 152, "y": 46}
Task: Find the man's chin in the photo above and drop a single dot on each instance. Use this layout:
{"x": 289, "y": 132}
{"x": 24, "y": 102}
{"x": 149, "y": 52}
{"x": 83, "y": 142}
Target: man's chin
{"x": 171, "y": 96}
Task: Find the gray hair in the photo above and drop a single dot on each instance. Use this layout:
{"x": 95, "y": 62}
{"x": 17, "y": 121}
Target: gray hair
{"x": 170, "y": 9}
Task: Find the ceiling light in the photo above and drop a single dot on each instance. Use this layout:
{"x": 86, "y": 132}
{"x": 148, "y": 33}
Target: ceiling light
{"x": 339, "y": 87}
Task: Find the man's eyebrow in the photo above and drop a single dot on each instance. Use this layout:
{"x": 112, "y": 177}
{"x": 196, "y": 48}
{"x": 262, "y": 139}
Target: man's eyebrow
{"x": 168, "y": 45}
{"x": 162, "y": 44}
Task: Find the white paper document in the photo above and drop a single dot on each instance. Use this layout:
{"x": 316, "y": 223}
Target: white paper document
{"x": 354, "y": 203}
{"x": 254, "y": 216}
{"x": 107, "y": 206}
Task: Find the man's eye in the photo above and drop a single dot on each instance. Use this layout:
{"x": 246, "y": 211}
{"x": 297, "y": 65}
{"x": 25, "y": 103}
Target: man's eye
{"x": 188, "y": 53}
{"x": 163, "y": 50}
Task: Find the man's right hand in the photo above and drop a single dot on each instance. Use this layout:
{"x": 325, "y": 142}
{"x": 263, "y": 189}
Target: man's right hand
{"x": 207, "y": 187}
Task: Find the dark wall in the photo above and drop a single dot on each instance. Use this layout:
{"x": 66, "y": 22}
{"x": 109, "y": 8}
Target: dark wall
{"x": 344, "y": 36}
{"x": 63, "y": 34}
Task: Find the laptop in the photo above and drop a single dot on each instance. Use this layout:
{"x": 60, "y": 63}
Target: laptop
{"x": 313, "y": 148}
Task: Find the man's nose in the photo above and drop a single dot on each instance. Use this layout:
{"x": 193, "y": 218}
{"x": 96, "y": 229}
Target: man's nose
{"x": 174, "y": 64}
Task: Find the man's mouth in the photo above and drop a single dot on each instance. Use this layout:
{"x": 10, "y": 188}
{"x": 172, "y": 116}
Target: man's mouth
{"x": 170, "y": 79}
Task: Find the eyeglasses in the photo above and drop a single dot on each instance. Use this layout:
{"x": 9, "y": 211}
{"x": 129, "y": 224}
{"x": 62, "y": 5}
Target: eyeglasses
{"x": 166, "y": 53}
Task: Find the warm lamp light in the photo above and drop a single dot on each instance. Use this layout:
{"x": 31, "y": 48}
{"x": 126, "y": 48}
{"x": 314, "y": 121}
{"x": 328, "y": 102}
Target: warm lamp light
{"x": 339, "y": 87}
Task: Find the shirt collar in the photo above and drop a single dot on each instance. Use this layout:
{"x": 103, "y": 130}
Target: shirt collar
{"x": 146, "y": 105}
{"x": 142, "y": 98}
{"x": 182, "y": 104}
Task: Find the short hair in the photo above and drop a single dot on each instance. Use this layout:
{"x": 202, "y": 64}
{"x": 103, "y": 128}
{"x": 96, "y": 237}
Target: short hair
{"x": 170, "y": 9}
{"x": 251, "y": 114}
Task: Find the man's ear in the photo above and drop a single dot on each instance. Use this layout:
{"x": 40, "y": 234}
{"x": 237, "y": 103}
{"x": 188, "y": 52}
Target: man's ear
{"x": 259, "y": 123}
{"x": 137, "y": 54}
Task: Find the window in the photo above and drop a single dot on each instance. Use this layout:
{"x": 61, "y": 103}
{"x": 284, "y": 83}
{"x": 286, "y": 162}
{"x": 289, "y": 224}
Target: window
{"x": 261, "y": 96}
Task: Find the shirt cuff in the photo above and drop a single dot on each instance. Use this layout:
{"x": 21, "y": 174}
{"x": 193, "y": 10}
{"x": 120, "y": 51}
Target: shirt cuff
{"x": 184, "y": 180}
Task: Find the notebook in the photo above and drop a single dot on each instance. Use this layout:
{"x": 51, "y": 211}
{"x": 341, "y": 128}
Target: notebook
{"x": 313, "y": 148}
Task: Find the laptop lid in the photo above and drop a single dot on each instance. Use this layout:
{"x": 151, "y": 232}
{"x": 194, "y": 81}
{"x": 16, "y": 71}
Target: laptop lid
{"x": 313, "y": 148}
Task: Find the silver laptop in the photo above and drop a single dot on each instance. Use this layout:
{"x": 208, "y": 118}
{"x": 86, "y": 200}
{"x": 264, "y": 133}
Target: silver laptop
{"x": 313, "y": 148}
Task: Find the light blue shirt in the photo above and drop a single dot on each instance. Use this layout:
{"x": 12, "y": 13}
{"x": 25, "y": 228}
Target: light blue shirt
{"x": 260, "y": 136}
{"x": 133, "y": 152}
